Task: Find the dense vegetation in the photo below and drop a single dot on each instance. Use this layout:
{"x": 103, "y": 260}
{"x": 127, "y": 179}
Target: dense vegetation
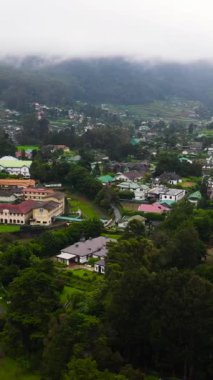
{"x": 152, "y": 310}
{"x": 115, "y": 81}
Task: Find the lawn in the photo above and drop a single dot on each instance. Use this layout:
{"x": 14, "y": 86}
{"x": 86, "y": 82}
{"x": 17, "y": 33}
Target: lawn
{"x": 69, "y": 292}
{"x": 27, "y": 147}
{"x": 81, "y": 284}
{"x": 5, "y": 228}
{"x": 111, "y": 235}
{"x": 11, "y": 370}
{"x": 88, "y": 209}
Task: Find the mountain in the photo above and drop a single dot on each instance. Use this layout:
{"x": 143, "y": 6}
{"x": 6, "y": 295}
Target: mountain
{"x": 104, "y": 80}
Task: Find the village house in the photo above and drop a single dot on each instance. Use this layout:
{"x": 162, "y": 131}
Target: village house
{"x": 14, "y": 166}
{"x": 132, "y": 175}
{"x": 155, "y": 208}
{"x": 174, "y": 195}
{"x": 169, "y": 177}
{"x": 195, "y": 197}
{"x": 100, "y": 266}
{"x": 10, "y": 195}
{"x": 16, "y": 183}
{"x": 82, "y": 251}
{"x": 155, "y": 192}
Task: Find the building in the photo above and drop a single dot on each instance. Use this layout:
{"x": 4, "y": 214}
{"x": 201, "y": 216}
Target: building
{"x": 82, "y": 251}
{"x": 43, "y": 213}
{"x": 195, "y": 197}
{"x": 46, "y": 195}
{"x": 168, "y": 177}
{"x": 100, "y": 266}
{"x": 132, "y": 175}
{"x": 155, "y": 192}
{"x": 16, "y": 214}
{"x": 14, "y": 166}
{"x": 10, "y": 195}
{"x": 155, "y": 208}
{"x": 16, "y": 183}
{"x": 174, "y": 195}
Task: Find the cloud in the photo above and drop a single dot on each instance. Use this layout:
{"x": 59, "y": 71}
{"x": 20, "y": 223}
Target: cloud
{"x": 166, "y": 29}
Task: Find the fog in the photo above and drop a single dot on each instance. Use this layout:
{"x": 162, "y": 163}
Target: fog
{"x": 144, "y": 29}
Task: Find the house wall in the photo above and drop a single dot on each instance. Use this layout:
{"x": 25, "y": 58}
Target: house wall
{"x": 7, "y": 217}
{"x": 41, "y": 216}
{"x": 16, "y": 171}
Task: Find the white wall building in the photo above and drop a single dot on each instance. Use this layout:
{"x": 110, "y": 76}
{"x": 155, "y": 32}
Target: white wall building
{"x": 172, "y": 195}
{"x": 14, "y": 166}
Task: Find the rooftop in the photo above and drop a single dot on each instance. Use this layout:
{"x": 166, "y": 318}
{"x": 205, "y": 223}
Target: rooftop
{"x": 12, "y": 162}
{"x": 83, "y": 248}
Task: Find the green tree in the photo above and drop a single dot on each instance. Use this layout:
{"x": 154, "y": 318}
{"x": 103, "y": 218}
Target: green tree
{"x": 33, "y": 297}
{"x": 81, "y": 369}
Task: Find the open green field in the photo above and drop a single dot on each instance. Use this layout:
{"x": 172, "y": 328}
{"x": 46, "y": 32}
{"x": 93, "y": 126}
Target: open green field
{"x": 207, "y": 132}
{"x": 81, "y": 284}
{"x": 176, "y": 109}
{"x": 11, "y": 370}
{"x": 27, "y": 147}
{"x": 88, "y": 209}
{"x": 6, "y": 228}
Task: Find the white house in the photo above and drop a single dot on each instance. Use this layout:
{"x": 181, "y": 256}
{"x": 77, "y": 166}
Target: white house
{"x": 174, "y": 195}
{"x": 14, "y": 166}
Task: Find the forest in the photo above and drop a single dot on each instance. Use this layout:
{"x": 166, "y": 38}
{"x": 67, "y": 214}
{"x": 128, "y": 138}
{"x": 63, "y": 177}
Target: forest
{"x": 150, "y": 313}
{"x": 109, "y": 80}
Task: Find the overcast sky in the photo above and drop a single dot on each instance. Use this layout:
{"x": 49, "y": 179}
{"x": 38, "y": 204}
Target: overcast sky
{"x": 162, "y": 29}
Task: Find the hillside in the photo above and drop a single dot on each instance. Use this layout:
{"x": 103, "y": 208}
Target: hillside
{"x": 115, "y": 81}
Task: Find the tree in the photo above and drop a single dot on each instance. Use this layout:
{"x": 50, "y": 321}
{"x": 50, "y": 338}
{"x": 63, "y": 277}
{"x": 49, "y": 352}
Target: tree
{"x": 81, "y": 369}
{"x": 33, "y": 296}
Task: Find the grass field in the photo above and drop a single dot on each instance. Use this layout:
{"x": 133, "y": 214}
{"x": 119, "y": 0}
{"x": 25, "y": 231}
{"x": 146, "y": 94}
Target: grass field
{"x": 176, "y": 109}
{"x": 27, "y": 147}
{"x": 88, "y": 209}
{"x": 81, "y": 284}
{"x": 11, "y": 370}
{"x": 5, "y": 228}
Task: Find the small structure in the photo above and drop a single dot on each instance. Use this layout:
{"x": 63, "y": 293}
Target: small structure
{"x": 100, "y": 266}
{"x": 172, "y": 195}
{"x": 195, "y": 197}
{"x": 155, "y": 208}
{"x": 106, "y": 179}
{"x": 169, "y": 177}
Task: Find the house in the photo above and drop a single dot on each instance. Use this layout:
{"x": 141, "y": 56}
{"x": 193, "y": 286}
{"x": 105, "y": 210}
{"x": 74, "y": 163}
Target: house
{"x": 14, "y": 166}
{"x": 128, "y": 185}
{"x": 195, "y": 197}
{"x": 172, "y": 195}
{"x": 155, "y": 208}
{"x": 100, "y": 266}
{"x": 82, "y": 251}
{"x": 16, "y": 214}
{"x": 141, "y": 192}
{"x": 106, "y": 179}
{"x": 132, "y": 175}
{"x": 17, "y": 183}
{"x": 126, "y": 220}
{"x": 10, "y": 195}
{"x": 210, "y": 188}
{"x": 207, "y": 168}
{"x": 155, "y": 192}
{"x": 169, "y": 177}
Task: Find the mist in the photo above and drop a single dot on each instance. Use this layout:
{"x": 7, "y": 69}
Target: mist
{"x": 138, "y": 29}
